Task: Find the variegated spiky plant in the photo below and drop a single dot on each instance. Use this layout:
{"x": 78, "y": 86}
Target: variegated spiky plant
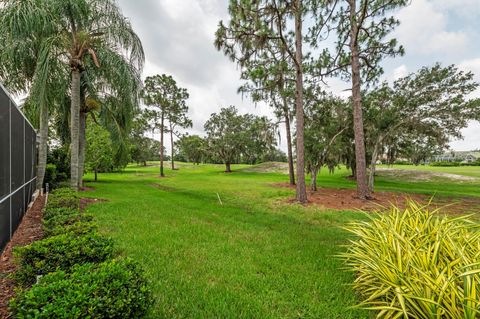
{"x": 415, "y": 263}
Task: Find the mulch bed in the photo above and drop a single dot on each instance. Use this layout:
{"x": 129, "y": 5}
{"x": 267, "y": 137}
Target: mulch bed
{"x": 346, "y": 199}
{"x": 84, "y": 202}
{"x": 29, "y": 230}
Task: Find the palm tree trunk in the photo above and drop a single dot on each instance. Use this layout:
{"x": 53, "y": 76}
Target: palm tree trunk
{"x": 43, "y": 145}
{"x": 74, "y": 128}
{"x": 301, "y": 187}
{"x": 361, "y": 166}
{"x": 81, "y": 147}
{"x": 161, "y": 145}
{"x": 172, "y": 146}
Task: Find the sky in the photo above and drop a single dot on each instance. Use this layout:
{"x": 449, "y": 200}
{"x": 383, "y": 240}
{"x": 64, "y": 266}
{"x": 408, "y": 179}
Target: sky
{"x": 178, "y": 35}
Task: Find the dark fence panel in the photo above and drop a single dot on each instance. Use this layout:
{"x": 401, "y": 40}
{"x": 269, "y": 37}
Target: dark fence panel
{"x": 17, "y": 148}
{"x": 4, "y": 144}
{"x": 18, "y": 153}
{"x": 4, "y": 223}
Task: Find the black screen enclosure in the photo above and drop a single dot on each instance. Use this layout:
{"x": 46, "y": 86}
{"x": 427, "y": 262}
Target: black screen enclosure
{"x": 18, "y": 153}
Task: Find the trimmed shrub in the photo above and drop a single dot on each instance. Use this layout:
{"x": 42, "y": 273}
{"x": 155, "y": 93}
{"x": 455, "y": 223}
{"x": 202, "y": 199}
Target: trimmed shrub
{"x": 413, "y": 263}
{"x": 63, "y": 197}
{"x": 113, "y": 289}
{"x": 476, "y": 163}
{"x": 65, "y": 220}
{"x": 78, "y": 228}
{"x": 60, "y": 252}
{"x": 49, "y": 213}
{"x": 445, "y": 164}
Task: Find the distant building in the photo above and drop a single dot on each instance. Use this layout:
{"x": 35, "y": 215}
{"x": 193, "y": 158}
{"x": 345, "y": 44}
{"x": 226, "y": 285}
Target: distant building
{"x": 453, "y": 156}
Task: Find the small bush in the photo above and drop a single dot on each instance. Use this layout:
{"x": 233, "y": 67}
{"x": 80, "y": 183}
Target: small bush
{"x": 60, "y": 252}
{"x": 65, "y": 220}
{"x": 78, "y": 228}
{"x": 113, "y": 289}
{"x": 49, "y": 212}
{"x": 63, "y": 197}
{"x": 402, "y": 162}
{"x": 414, "y": 264}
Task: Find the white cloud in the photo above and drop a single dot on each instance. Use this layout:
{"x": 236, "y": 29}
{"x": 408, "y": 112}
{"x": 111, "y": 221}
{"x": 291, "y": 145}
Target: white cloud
{"x": 451, "y": 42}
{"x": 467, "y": 9}
{"x": 471, "y": 140}
{"x": 473, "y": 66}
{"x": 423, "y": 30}
{"x": 400, "y": 72}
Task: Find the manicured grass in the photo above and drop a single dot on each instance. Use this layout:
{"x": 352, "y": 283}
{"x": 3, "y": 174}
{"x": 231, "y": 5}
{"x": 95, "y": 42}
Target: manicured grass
{"x": 251, "y": 256}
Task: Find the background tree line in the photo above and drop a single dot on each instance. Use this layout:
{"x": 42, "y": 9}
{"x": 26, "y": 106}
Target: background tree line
{"x": 287, "y": 50}
{"x": 80, "y": 63}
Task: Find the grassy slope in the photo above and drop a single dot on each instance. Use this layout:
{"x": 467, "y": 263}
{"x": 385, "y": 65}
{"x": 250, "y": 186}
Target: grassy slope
{"x": 461, "y": 170}
{"x": 442, "y": 187}
{"x": 253, "y": 256}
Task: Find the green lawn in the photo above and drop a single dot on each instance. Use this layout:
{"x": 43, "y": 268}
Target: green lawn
{"x": 253, "y": 256}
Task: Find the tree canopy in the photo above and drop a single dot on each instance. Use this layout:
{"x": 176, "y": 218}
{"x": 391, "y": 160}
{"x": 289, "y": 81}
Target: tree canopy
{"x": 231, "y": 136}
{"x": 167, "y": 103}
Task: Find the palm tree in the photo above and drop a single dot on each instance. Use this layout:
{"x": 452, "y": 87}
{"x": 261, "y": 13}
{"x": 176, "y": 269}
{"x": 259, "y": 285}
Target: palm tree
{"x": 95, "y": 31}
{"x": 110, "y": 93}
{"x": 27, "y": 65}
{"x": 80, "y": 36}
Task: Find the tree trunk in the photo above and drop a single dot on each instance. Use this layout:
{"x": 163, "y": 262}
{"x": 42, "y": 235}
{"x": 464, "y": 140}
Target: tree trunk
{"x": 74, "y": 128}
{"x": 373, "y": 165}
{"x": 43, "y": 146}
{"x": 301, "y": 187}
{"x": 286, "y": 115}
{"x": 313, "y": 185}
{"x": 353, "y": 167}
{"x": 81, "y": 147}
{"x": 291, "y": 171}
{"x": 172, "y": 146}
{"x": 361, "y": 167}
{"x": 227, "y": 167}
{"x": 96, "y": 175}
{"x": 161, "y": 146}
